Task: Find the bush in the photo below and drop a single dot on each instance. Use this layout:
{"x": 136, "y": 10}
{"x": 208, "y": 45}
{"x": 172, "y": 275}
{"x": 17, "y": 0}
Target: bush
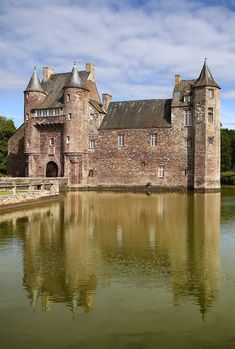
{"x": 228, "y": 178}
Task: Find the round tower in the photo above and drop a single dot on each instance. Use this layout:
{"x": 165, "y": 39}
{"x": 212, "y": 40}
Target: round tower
{"x": 206, "y": 132}
{"x": 34, "y": 95}
{"x": 76, "y": 97}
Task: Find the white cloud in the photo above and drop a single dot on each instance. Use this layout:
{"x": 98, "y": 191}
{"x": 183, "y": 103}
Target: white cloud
{"x": 136, "y": 49}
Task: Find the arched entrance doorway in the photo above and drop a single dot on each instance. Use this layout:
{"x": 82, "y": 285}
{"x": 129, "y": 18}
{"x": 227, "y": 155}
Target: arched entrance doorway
{"x": 52, "y": 169}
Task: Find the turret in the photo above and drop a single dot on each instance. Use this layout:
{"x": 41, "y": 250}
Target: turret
{"x": 76, "y": 96}
{"x": 206, "y": 131}
{"x": 34, "y": 95}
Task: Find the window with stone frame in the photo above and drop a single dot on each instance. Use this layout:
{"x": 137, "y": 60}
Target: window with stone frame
{"x": 210, "y": 114}
{"x": 92, "y": 144}
{"x": 67, "y": 140}
{"x": 187, "y": 98}
{"x": 68, "y": 97}
{"x": 188, "y": 120}
{"x": 210, "y": 140}
{"x": 51, "y": 142}
{"x": 91, "y": 173}
{"x": 69, "y": 116}
{"x": 161, "y": 171}
{"x": 211, "y": 94}
{"x": 121, "y": 140}
{"x": 153, "y": 141}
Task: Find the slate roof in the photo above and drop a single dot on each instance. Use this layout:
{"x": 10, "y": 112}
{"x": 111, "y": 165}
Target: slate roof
{"x": 184, "y": 88}
{"x": 54, "y": 88}
{"x": 34, "y": 84}
{"x": 138, "y": 114}
{"x": 205, "y": 78}
{"x": 97, "y": 105}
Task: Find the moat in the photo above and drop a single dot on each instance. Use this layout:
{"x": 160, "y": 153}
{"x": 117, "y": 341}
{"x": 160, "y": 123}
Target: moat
{"x": 119, "y": 270}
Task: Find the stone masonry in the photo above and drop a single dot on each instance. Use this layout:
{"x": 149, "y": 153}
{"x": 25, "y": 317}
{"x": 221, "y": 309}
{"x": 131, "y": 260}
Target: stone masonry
{"x": 153, "y": 144}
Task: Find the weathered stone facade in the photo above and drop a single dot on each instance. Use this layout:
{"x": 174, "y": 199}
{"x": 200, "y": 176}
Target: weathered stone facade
{"x": 153, "y": 144}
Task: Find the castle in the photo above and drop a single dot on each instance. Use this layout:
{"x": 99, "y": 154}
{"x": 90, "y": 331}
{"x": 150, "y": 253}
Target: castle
{"x": 158, "y": 143}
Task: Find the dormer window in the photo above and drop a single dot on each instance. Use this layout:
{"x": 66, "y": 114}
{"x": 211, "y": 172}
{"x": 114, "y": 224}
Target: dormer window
{"x": 187, "y": 98}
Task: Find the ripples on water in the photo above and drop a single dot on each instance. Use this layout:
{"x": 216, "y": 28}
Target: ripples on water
{"x": 119, "y": 270}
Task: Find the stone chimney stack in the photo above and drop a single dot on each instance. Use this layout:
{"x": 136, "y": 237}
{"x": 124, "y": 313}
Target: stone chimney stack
{"x": 90, "y": 68}
{"x": 106, "y": 99}
{"x": 47, "y": 72}
{"x": 177, "y": 79}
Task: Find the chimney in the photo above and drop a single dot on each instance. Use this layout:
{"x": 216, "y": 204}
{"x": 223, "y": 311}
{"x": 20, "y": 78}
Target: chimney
{"x": 106, "y": 99}
{"x": 47, "y": 72}
{"x": 177, "y": 79}
{"x": 90, "y": 68}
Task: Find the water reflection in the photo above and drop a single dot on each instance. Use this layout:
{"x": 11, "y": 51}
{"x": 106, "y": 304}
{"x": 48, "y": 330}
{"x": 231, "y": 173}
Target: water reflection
{"x": 88, "y": 241}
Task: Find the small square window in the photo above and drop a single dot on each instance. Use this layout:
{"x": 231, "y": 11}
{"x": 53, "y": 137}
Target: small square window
{"x": 153, "y": 140}
{"x": 67, "y": 140}
{"x": 211, "y": 93}
{"x": 121, "y": 140}
{"x": 187, "y": 99}
{"x": 91, "y": 173}
{"x": 92, "y": 144}
{"x": 211, "y": 140}
{"x": 52, "y": 142}
{"x": 161, "y": 171}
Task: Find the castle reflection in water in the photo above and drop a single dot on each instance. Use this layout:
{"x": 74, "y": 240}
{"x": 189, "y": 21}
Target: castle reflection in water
{"x": 86, "y": 241}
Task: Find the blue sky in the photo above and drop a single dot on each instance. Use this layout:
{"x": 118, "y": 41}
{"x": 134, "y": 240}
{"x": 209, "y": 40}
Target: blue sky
{"x": 137, "y": 46}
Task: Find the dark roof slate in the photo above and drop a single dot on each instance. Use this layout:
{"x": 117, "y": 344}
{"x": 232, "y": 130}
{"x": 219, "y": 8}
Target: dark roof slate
{"x": 54, "y": 87}
{"x": 34, "y": 84}
{"x": 205, "y": 78}
{"x": 138, "y": 114}
{"x": 97, "y": 105}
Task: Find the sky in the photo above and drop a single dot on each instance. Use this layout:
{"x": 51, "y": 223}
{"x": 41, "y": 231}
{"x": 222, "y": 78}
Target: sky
{"x": 137, "y": 46}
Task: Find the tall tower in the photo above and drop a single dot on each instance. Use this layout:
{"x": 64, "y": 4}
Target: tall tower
{"x": 76, "y": 97}
{"x": 33, "y": 96}
{"x": 207, "y": 132}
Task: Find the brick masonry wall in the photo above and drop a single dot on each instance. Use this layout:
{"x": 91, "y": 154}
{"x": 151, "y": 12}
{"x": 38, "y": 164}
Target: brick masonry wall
{"x": 137, "y": 162}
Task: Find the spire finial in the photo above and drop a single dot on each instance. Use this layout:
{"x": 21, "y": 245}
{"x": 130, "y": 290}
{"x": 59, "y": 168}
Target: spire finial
{"x": 35, "y": 68}
{"x": 205, "y": 61}
{"x": 74, "y": 63}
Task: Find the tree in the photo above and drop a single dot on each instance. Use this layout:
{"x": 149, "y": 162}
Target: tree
{"x": 7, "y": 129}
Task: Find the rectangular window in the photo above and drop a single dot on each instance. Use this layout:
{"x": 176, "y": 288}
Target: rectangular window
{"x": 68, "y": 97}
{"x": 52, "y": 142}
{"x": 211, "y": 93}
{"x": 187, "y": 118}
{"x": 161, "y": 171}
{"x": 44, "y": 112}
{"x": 67, "y": 140}
{"x": 69, "y": 116}
{"x": 211, "y": 140}
{"x": 153, "y": 140}
{"x": 121, "y": 140}
{"x": 210, "y": 115}
{"x": 92, "y": 144}
{"x": 187, "y": 99}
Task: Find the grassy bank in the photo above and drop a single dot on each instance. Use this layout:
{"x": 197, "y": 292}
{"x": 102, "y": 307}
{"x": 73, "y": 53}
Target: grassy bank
{"x": 228, "y": 178}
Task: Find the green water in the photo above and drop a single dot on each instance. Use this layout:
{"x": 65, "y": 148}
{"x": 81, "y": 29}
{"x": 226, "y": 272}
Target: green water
{"x": 111, "y": 270}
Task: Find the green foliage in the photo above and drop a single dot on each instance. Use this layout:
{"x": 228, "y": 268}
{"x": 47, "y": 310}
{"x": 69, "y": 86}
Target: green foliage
{"x": 7, "y": 129}
{"x": 228, "y": 178}
{"x": 227, "y": 149}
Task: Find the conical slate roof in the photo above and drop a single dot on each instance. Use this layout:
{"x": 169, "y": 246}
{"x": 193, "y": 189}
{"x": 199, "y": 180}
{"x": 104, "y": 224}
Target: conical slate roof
{"x": 205, "y": 78}
{"x": 75, "y": 80}
{"x": 34, "y": 84}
